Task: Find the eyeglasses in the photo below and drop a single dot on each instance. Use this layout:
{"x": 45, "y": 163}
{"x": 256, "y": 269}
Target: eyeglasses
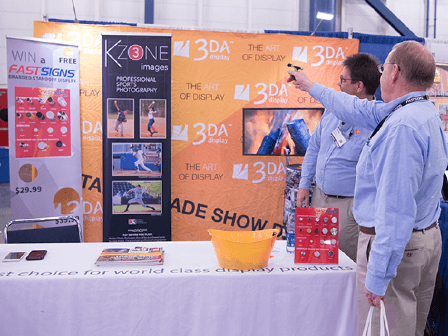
{"x": 343, "y": 80}
{"x": 381, "y": 67}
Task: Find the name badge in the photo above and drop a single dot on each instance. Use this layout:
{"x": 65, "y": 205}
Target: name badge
{"x": 338, "y": 138}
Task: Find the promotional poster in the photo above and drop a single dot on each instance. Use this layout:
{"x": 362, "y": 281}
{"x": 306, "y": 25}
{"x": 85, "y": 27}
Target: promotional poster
{"x": 44, "y": 128}
{"x": 223, "y": 86}
{"x": 136, "y": 149}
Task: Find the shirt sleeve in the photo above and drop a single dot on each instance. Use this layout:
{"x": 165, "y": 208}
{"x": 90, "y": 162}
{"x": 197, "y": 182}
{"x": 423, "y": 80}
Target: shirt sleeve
{"x": 398, "y": 162}
{"x": 310, "y": 161}
{"x": 351, "y": 109}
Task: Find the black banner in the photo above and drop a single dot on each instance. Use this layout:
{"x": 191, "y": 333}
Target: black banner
{"x": 136, "y": 141}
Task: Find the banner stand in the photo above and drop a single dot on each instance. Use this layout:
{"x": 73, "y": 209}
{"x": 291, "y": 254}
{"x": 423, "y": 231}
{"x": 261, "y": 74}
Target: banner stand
{"x": 44, "y": 128}
{"x": 136, "y": 148}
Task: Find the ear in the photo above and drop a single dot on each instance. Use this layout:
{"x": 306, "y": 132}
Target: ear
{"x": 359, "y": 87}
{"x": 395, "y": 73}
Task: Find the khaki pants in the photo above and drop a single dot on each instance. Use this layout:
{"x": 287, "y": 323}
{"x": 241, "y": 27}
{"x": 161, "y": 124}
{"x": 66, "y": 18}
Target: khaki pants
{"x": 348, "y": 228}
{"x": 409, "y": 294}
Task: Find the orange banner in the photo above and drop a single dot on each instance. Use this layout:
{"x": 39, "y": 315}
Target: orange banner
{"x": 229, "y": 96}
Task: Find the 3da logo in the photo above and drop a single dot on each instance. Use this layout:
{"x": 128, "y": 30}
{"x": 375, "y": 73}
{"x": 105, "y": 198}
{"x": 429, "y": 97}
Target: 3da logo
{"x": 210, "y": 133}
{"x": 328, "y": 55}
{"x": 213, "y": 49}
{"x": 300, "y": 54}
{"x": 265, "y": 171}
{"x": 209, "y": 49}
{"x": 179, "y": 133}
{"x": 181, "y": 49}
{"x": 242, "y": 92}
{"x": 275, "y": 93}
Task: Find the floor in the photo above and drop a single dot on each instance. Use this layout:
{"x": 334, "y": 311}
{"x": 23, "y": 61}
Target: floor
{"x": 5, "y": 207}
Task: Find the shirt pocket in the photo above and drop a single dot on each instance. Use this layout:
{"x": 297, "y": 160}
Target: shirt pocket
{"x": 354, "y": 146}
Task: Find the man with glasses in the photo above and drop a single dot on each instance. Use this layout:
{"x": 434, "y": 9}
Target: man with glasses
{"x": 334, "y": 150}
{"x": 399, "y": 177}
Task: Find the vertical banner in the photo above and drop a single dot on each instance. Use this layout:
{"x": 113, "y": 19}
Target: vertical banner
{"x": 136, "y": 146}
{"x": 44, "y": 128}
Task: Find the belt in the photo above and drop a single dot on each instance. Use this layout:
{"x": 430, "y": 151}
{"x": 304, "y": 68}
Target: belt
{"x": 371, "y": 231}
{"x": 336, "y": 196}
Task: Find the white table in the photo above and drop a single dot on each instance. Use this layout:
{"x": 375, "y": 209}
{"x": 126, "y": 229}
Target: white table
{"x": 66, "y": 294}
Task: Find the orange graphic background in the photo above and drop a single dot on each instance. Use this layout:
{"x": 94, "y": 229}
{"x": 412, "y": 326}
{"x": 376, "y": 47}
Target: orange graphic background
{"x": 204, "y": 193}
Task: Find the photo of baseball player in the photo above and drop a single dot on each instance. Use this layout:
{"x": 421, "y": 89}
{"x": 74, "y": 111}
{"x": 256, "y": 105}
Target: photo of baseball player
{"x": 153, "y": 118}
{"x": 141, "y": 159}
{"x": 140, "y": 156}
{"x": 120, "y": 118}
{"x": 137, "y": 197}
{"x": 151, "y": 112}
{"x": 138, "y": 194}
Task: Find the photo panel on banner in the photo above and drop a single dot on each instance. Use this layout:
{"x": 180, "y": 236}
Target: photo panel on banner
{"x": 268, "y": 131}
{"x": 136, "y": 116}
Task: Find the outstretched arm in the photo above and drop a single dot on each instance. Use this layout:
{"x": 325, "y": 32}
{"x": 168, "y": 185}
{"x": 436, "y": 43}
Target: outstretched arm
{"x": 300, "y": 80}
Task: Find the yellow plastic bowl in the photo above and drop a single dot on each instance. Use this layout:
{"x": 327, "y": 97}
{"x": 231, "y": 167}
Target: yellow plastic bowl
{"x": 243, "y": 250}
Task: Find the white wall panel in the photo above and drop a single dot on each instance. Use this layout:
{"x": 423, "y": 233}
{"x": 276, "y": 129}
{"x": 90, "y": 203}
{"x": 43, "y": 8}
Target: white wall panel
{"x": 22, "y": 6}
{"x": 411, "y": 13}
{"x": 357, "y": 14}
{"x": 441, "y": 22}
{"x": 122, "y": 11}
{"x": 18, "y": 21}
{"x": 273, "y": 19}
{"x": 227, "y": 3}
{"x": 225, "y": 14}
{"x": 176, "y": 14}
{"x": 158, "y": 4}
{"x": 277, "y": 5}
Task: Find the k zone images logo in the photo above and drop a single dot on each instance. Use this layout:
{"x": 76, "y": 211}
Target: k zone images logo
{"x": 326, "y": 55}
{"x": 120, "y": 52}
{"x": 208, "y": 49}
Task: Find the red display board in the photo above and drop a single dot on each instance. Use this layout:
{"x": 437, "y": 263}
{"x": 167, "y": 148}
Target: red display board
{"x": 317, "y": 235}
{"x": 42, "y": 122}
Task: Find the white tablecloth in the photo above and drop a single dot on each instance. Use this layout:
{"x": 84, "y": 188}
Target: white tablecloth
{"x": 66, "y": 294}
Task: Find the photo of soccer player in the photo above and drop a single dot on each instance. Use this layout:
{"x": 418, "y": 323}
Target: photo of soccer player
{"x": 137, "y": 159}
{"x": 137, "y": 197}
{"x": 153, "y": 118}
{"x": 120, "y": 118}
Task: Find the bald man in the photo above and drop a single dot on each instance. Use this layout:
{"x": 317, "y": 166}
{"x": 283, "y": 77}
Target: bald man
{"x": 399, "y": 177}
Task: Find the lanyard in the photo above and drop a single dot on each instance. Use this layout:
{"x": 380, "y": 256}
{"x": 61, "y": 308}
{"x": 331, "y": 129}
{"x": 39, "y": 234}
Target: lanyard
{"x": 408, "y": 101}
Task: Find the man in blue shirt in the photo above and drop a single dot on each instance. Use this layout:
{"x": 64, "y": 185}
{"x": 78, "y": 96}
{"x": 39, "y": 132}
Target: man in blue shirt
{"x": 399, "y": 177}
{"x": 334, "y": 150}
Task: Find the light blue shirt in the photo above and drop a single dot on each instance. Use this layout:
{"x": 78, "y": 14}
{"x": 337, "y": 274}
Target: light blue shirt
{"x": 399, "y": 175}
{"x": 334, "y": 167}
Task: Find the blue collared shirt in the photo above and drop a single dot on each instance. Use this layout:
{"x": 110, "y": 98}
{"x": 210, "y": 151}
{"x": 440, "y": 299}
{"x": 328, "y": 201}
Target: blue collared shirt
{"x": 399, "y": 175}
{"x": 334, "y": 167}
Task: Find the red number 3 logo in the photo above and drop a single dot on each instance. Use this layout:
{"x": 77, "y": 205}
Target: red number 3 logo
{"x": 135, "y": 52}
